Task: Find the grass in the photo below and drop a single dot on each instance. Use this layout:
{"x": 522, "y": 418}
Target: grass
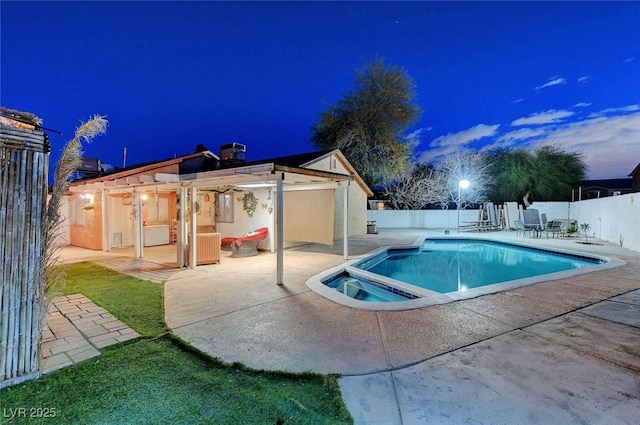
{"x": 159, "y": 379}
{"x": 137, "y": 302}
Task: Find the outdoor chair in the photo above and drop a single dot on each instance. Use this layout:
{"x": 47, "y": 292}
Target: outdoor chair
{"x": 521, "y": 228}
{"x": 554, "y": 227}
{"x": 246, "y": 245}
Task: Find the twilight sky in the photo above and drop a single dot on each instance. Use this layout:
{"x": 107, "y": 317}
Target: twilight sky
{"x": 170, "y": 75}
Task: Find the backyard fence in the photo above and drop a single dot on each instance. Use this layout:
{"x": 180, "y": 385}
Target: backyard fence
{"x": 23, "y": 190}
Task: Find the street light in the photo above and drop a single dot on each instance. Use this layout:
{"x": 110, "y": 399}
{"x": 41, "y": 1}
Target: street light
{"x": 462, "y": 184}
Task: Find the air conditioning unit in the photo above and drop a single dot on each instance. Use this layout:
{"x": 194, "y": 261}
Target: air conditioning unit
{"x": 232, "y": 154}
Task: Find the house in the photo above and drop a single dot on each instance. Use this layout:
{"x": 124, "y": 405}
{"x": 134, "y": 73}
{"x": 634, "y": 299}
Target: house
{"x": 593, "y": 189}
{"x": 313, "y": 197}
{"x": 635, "y": 179}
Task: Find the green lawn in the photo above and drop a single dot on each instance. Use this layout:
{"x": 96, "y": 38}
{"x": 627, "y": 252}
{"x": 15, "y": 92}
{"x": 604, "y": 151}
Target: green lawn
{"x": 161, "y": 380}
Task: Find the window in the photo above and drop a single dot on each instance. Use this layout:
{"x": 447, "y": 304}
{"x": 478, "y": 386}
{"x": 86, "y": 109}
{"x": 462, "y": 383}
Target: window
{"x": 224, "y": 208}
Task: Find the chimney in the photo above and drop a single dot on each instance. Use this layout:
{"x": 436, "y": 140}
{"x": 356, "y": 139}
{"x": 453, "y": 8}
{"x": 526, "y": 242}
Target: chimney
{"x": 232, "y": 155}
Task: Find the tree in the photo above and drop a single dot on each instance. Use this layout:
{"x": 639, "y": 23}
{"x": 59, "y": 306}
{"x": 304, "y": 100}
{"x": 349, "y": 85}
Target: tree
{"x": 418, "y": 188}
{"x": 470, "y": 166}
{"x": 546, "y": 174}
{"x": 367, "y": 124}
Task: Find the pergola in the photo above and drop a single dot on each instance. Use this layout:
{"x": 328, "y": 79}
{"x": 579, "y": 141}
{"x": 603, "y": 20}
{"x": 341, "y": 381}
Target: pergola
{"x": 269, "y": 174}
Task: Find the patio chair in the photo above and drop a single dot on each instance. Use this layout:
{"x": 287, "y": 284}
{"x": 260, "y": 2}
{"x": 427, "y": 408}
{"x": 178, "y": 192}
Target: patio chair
{"x": 520, "y": 227}
{"x": 554, "y": 227}
{"x": 246, "y": 245}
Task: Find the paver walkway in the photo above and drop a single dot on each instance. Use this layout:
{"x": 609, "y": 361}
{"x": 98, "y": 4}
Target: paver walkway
{"x": 77, "y": 329}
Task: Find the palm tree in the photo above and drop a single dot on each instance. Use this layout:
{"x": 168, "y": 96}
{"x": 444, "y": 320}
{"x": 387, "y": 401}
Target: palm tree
{"x": 585, "y": 227}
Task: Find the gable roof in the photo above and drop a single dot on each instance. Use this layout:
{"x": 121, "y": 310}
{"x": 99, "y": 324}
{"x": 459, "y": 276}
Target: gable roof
{"x": 171, "y": 171}
{"x": 305, "y": 160}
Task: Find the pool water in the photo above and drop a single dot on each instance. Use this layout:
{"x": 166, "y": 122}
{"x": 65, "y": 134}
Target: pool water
{"x": 451, "y": 265}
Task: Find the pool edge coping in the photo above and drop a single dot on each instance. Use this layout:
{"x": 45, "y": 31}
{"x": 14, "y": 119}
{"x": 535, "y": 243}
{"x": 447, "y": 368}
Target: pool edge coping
{"x": 315, "y": 283}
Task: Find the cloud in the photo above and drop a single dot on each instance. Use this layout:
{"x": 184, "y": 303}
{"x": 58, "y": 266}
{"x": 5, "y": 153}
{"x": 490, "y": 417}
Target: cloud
{"x": 416, "y": 135}
{"x": 610, "y": 111}
{"x": 518, "y": 100}
{"x": 548, "y": 117}
{"x": 552, "y": 82}
{"x": 522, "y": 134}
{"x": 445, "y": 145}
{"x": 609, "y": 144}
{"x": 584, "y": 79}
{"x": 581, "y": 105}
{"x": 631, "y": 59}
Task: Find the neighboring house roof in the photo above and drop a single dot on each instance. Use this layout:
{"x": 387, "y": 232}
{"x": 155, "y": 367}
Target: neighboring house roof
{"x": 636, "y": 171}
{"x": 611, "y": 184}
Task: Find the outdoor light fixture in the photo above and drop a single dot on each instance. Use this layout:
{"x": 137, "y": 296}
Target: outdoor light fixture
{"x": 462, "y": 184}
{"x": 144, "y": 196}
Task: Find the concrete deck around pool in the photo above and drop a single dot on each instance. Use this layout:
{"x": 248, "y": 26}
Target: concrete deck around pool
{"x": 562, "y": 351}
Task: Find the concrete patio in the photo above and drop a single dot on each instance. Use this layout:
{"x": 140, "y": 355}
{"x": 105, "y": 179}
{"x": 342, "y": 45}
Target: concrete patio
{"x": 563, "y": 351}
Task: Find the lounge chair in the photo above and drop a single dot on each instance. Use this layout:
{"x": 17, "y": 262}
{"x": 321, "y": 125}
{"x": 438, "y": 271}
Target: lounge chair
{"x": 246, "y": 245}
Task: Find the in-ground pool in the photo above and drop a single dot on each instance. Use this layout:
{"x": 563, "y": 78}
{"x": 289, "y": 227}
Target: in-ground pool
{"x": 438, "y": 270}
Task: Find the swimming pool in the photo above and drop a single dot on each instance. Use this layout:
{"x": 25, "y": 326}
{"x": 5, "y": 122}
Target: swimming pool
{"x": 439, "y": 270}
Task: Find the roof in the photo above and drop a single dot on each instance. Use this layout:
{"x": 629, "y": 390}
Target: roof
{"x": 613, "y": 184}
{"x": 146, "y": 166}
{"x": 635, "y": 171}
{"x": 297, "y": 160}
{"x": 199, "y": 173}
{"x": 19, "y": 119}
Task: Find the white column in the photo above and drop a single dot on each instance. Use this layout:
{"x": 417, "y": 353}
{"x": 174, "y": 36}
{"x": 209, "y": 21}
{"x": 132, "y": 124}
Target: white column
{"x": 345, "y": 222}
{"x": 182, "y": 232}
{"x": 192, "y": 247}
{"x": 137, "y": 224}
{"x": 280, "y": 230}
{"x": 106, "y": 225}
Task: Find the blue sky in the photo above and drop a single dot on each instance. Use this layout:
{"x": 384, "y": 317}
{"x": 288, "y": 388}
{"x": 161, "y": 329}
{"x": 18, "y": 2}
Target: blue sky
{"x": 170, "y": 75}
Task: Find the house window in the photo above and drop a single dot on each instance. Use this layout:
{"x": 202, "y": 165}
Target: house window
{"x": 224, "y": 208}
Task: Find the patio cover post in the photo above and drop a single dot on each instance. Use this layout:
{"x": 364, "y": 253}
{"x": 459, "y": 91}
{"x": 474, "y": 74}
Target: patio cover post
{"x": 280, "y": 230}
{"x": 182, "y": 234}
{"x": 345, "y": 222}
{"x": 106, "y": 226}
{"x": 137, "y": 223}
{"x": 192, "y": 246}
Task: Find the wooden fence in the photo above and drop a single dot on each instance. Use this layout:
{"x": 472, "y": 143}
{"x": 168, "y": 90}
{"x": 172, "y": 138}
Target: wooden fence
{"x": 23, "y": 191}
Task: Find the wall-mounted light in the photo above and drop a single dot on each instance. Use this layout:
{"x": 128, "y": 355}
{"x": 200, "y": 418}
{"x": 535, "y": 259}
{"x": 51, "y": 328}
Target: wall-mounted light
{"x": 144, "y": 196}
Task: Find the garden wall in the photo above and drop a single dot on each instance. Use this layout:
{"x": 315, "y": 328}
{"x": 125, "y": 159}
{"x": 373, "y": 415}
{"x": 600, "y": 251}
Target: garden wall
{"x": 614, "y": 219}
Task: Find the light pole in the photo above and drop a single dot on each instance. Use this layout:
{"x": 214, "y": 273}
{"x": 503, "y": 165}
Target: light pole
{"x": 462, "y": 184}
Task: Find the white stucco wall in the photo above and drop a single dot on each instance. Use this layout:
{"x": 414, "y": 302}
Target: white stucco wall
{"x": 242, "y": 223}
{"x": 614, "y": 219}
{"x": 421, "y": 219}
{"x": 357, "y": 199}
{"x": 357, "y": 208}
